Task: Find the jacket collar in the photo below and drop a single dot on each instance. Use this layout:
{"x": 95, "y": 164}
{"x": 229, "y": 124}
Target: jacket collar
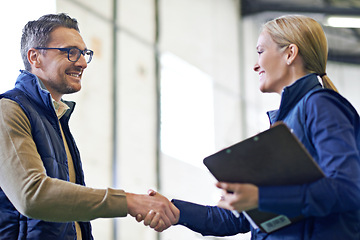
{"x": 31, "y": 85}
{"x": 292, "y": 94}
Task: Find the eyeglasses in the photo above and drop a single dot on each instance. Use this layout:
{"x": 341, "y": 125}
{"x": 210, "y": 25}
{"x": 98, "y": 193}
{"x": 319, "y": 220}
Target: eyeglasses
{"x": 73, "y": 53}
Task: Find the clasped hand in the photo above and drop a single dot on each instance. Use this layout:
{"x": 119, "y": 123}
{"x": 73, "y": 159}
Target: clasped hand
{"x": 154, "y": 209}
{"x": 159, "y": 213}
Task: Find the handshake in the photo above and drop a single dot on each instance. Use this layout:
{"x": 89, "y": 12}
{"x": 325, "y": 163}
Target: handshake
{"x": 159, "y": 213}
{"x": 154, "y": 209}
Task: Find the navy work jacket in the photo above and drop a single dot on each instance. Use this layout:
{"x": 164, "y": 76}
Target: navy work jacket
{"x": 329, "y": 127}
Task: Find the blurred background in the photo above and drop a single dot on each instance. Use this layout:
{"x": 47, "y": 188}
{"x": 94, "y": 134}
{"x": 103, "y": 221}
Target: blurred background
{"x": 171, "y": 82}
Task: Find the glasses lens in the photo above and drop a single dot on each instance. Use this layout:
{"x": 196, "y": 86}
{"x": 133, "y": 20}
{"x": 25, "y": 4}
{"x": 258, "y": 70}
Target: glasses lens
{"x": 88, "y": 55}
{"x": 74, "y": 54}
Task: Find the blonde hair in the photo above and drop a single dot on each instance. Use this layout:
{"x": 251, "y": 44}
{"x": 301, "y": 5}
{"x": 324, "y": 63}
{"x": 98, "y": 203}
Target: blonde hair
{"x": 308, "y": 35}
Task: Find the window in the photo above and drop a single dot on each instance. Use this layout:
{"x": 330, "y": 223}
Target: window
{"x": 187, "y": 115}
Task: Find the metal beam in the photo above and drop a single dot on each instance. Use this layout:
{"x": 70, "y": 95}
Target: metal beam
{"x": 249, "y": 7}
{"x": 337, "y": 56}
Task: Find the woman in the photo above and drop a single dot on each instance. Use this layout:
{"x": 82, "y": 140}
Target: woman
{"x": 292, "y": 62}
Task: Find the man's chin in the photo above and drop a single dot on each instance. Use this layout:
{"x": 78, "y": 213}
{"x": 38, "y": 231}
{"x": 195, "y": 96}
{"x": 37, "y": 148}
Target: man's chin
{"x": 73, "y": 89}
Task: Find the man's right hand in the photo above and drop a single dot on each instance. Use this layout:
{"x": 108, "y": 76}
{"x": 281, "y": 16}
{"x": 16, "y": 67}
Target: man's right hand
{"x": 155, "y": 209}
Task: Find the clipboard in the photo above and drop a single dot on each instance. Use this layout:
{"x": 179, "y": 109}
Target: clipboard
{"x": 272, "y": 157}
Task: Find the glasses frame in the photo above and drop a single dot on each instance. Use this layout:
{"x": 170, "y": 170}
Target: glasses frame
{"x": 83, "y": 52}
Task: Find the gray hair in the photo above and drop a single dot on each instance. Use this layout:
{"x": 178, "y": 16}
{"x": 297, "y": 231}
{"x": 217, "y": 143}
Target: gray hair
{"x": 37, "y": 33}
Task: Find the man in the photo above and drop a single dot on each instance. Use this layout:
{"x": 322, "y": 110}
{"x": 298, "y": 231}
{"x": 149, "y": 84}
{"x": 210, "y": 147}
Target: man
{"x": 42, "y": 189}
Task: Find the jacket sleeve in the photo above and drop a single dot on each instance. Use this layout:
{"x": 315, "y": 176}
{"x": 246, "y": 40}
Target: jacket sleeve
{"x": 333, "y": 128}
{"x": 210, "y": 220}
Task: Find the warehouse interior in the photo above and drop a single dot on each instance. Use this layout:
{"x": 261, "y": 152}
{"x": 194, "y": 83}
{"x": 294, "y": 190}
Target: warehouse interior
{"x": 172, "y": 82}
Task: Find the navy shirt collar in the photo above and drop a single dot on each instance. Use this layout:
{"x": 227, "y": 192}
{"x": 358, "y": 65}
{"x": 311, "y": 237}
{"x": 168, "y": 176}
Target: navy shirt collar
{"x": 292, "y": 94}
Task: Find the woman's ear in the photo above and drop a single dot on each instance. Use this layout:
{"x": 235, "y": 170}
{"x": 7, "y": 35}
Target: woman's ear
{"x": 292, "y": 53}
{"x": 33, "y": 56}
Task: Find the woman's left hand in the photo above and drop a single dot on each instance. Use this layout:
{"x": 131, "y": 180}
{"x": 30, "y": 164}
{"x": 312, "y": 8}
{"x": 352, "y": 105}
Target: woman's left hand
{"x": 238, "y": 196}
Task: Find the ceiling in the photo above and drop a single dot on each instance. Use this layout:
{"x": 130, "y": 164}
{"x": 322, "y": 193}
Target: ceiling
{"x": 344, "y": 43}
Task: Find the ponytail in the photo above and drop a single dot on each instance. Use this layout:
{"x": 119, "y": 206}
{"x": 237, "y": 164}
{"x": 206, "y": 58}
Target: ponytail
{"x": 328, "y": 83}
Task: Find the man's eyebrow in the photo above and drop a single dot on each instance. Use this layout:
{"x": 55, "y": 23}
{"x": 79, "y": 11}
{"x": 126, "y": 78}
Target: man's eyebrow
{"x": 75, "y": 47}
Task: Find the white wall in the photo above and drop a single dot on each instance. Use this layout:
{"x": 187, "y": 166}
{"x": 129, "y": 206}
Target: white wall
{"x": 136, "y": 107}
{"x": 205, "y": 34}
{"x": 12, "y": 20}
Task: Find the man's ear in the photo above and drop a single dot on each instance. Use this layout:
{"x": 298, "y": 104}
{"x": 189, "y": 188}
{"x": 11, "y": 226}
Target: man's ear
{"x": 292, "y": 53}
{"x": 33, "y": 57}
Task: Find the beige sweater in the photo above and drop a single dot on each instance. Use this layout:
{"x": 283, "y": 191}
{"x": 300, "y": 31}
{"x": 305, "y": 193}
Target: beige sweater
{"x": 23, "y": 178}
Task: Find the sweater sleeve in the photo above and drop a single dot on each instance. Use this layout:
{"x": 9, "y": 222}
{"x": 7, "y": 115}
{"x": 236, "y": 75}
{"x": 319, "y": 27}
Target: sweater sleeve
{"x": 24, "y": 181}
